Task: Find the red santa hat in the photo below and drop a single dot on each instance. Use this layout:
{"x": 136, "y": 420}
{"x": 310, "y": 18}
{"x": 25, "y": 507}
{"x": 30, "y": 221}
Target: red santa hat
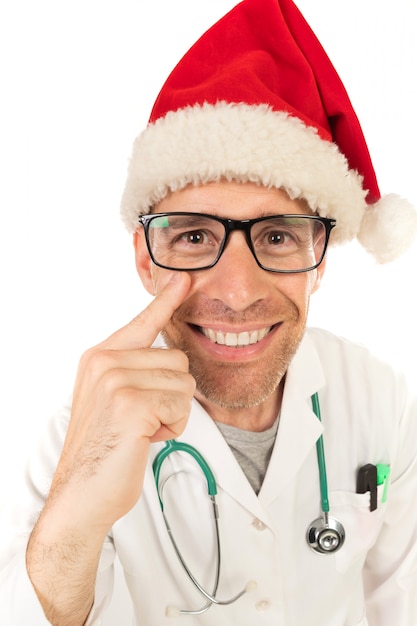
{"x": 257, "y": 99}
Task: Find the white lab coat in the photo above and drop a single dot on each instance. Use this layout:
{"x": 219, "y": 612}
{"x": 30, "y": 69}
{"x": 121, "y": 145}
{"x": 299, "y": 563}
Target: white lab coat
{"x": 368, "y": 416}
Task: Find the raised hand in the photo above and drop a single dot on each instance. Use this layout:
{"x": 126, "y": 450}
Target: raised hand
{"x": 127, "y": 395}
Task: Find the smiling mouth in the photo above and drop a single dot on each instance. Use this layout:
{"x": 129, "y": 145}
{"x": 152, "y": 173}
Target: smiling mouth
{"x": 235, "y": 340}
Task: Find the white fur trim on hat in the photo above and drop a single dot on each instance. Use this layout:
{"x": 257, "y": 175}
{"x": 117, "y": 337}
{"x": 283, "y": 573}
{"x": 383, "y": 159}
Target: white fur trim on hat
{"x": 244, "y": 143}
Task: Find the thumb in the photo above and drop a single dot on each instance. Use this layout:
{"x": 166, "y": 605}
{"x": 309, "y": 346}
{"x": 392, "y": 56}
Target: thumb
{"x": 142, "y": 331}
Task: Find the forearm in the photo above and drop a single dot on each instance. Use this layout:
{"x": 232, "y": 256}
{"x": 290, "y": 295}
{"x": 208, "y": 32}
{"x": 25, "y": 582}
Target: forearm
{"x": 62, "y": 565}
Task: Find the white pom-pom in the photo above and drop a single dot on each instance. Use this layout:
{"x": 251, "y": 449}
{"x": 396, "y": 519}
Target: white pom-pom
{"x": 388, "y": 228}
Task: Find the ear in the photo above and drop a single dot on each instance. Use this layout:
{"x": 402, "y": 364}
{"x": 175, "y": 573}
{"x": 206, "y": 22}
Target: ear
{"x": 319, "y": 275}
{"x": 143, "y": 261}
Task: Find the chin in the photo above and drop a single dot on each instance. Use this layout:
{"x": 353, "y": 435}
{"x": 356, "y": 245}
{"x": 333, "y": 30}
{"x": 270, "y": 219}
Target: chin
{"x": 237, "y": 386}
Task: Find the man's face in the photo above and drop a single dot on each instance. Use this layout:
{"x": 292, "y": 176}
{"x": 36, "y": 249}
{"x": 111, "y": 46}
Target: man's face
{"x": 235, "y": 301}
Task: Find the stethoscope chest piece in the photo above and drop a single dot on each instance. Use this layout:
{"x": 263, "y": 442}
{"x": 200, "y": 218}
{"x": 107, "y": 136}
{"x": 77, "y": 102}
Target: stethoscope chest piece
{"x": 325, "y": 535}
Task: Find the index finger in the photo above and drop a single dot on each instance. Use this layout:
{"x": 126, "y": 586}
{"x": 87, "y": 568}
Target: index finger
{"x": 143, "y": 329}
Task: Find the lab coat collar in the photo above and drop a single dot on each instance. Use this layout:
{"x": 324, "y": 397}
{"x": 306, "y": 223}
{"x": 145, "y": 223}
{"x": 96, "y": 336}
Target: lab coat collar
{"x": 299, "y": 427}
{"x": 298, "y": 431}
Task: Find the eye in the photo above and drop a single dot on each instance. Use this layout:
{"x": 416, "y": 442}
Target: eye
{"x": 194, "y": 237}
{"x": 197, "y": 240}
{"x": 275, "y": 238}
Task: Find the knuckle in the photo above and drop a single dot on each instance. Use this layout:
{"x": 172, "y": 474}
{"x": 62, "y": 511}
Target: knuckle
{"x": 123, "y": 399}
{"x": 86, "y": 358}
{"x": 96, "y": 361}
{"x": 110, "y": 381}
{"x": 190, "y": 384}
{"x": 171, "y": 407}
{"x": 180, "y": 359}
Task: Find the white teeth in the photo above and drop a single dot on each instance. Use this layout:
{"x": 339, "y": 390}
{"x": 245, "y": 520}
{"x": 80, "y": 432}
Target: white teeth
{"x": 231, "y": 339}
{"x": 211, "y": 335}
{"x": 234, "y": 340}
{"x": 243, "y": 339}
{"x": 219, "y": 338}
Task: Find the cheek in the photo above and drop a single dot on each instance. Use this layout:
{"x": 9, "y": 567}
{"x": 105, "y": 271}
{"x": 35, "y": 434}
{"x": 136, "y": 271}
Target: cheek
{"x": 310, "y": 283}
{"x": 297, "y": 289}
{"x": 159, "y": 278}
{"x": 315, "y": 280}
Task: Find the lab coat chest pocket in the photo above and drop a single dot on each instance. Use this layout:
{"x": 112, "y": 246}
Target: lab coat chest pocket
{"x": 361, "y": 525}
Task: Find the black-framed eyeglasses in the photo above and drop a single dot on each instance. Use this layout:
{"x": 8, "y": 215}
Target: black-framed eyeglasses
{"x": 195, "y": 241}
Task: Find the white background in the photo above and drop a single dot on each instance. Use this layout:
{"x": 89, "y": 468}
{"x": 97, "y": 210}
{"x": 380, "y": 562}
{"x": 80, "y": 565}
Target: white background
{"x": 78, "y": 80}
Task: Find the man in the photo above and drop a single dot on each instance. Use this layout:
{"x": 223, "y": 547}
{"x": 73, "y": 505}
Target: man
{"x": 252, "y": 162}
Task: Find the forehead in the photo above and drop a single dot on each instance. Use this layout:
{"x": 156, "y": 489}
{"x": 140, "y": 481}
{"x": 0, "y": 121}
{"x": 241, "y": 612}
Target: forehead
{"x": 233, "y": 200}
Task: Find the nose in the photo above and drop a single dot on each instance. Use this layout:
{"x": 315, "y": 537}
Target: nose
{"x": 236, "y": 279}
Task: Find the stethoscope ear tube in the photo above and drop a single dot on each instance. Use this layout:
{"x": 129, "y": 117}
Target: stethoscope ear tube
{"x": 178, "y": 446}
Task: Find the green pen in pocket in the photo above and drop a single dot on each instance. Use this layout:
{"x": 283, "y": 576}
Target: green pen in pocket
{"x": 382, "y": 478}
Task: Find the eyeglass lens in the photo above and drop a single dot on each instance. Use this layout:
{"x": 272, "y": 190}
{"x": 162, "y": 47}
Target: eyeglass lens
{"x": 195, "y": 241}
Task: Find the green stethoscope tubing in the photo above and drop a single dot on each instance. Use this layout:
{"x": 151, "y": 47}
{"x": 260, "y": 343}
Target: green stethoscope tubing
{"x": 330, "y": 528}
{"x": 177, "y": 446}
{"x": 321, "y": 460}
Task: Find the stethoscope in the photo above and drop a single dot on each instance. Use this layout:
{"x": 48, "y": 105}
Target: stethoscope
{"x": 325, "y": 535}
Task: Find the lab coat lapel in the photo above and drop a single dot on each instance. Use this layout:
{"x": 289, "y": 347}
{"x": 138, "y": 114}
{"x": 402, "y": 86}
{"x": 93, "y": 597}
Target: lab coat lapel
{"x": 298, "y": 431}
{"x": 203, "y": 434}
{"x": 299, "y": 427}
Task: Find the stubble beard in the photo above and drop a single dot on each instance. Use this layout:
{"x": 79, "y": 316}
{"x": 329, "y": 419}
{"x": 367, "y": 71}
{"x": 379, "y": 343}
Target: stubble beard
{"x": 240, "y": 385}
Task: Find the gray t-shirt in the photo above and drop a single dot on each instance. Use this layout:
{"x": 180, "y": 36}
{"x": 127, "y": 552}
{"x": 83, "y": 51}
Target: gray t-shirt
{"x": 252, "y": 450}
